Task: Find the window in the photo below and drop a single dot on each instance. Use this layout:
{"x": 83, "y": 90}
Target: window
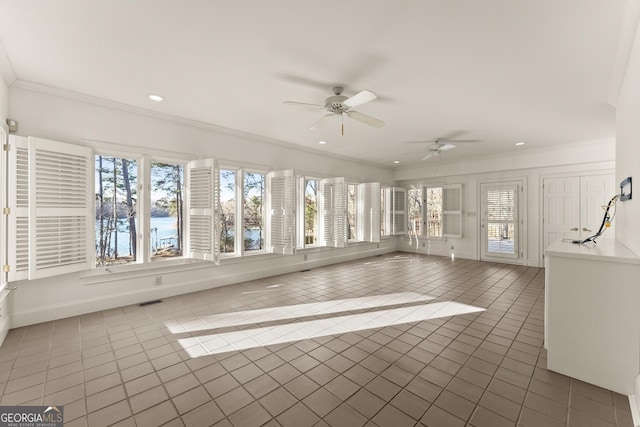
{"x": 167, "y": 210}
{"x": 227, "y": 211}
{"x": 242, "y": 205}
{"x": 443, "y": 211}
{"x": 414, "y": 196}
{"x": 352, "y": 215}
{"x": 116, "y": 228}
{"x": 253, "y": 209}
{"x": 434, "y": 212}
{"x": 383, "y": 210}
{"x": 310, "y": 212}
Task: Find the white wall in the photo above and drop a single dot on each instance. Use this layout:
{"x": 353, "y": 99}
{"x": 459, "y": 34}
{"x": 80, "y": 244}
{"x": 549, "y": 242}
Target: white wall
{"x": 531, "y": 166}
{"x": 628, "y": 164}
{"x": 4, "y": 101}
{"x": 80, "y": 121}
{"x": 628, "y": 150}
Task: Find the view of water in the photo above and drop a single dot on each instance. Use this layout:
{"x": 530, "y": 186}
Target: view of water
{"x": 163, "y": 232}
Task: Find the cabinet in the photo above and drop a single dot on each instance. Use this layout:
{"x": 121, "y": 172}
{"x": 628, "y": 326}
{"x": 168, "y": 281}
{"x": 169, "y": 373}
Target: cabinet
{"x": 4, "y": 314}
{"x": 592, "y": 315}
{"x": 573, "y": 206}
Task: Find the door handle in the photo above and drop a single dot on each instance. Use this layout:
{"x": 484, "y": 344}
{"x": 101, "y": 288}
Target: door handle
{"x": 586, "y": 229}
{"x": 574, "y": 229}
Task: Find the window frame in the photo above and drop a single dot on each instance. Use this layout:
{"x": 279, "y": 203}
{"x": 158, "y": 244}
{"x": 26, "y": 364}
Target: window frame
{"x": 301, "y": 204}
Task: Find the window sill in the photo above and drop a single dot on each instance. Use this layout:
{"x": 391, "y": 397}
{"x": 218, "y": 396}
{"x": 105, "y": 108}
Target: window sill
{"x": 106, "y": 274}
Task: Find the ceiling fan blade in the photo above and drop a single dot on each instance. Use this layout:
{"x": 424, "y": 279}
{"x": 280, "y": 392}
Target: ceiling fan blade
{"x": 460, "y": 140}
{"x": 427, "y": 156}
{"x": 303, "y": 104}
{"x": 363, "y": 118}
{"x": 321, "y": 122}
{"x": 359, "y": 98}
{"x": 446, "y": 147}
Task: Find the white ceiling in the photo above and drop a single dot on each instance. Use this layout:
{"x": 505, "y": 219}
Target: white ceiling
{"x": 502, "y": 71}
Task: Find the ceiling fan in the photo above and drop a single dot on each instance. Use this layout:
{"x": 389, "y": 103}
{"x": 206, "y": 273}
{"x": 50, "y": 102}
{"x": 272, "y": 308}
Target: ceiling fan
{"x": 442, "y": 144}
{"x": 339, "y": 105}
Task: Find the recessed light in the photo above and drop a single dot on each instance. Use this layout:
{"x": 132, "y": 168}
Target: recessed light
{"x": 520, "y": 143}
{"x": 396, "y": 161}
{"x": 322, "y": 142}
{"x": 155, "y": 97}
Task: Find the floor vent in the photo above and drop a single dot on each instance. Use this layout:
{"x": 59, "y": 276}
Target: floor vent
{"x": 304, "y": 271}
{"x": 155, "y": 301}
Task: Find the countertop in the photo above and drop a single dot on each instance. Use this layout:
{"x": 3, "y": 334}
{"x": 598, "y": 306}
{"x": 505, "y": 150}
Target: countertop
{"x": 610, "y": 250}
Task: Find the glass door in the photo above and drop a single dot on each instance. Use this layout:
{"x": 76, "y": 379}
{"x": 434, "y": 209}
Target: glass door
{"x": 500, "y": 220}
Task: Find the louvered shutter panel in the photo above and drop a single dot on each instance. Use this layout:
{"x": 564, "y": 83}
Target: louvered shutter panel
{"x": 399, "y": 210}
{"x": 19, "y": 206}
{"x": 368, "y": 212}
{"x": 60, "y": 198}
{"x": 452, "y": 210}
{"x": 333, "y": 208}
{"x": 200, "y": 205}
{"x": 281, "y": 196}
{"x": 217, "y": 226}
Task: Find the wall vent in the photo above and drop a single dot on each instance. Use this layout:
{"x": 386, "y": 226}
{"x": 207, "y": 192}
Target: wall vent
{"x": 155, "y": 301}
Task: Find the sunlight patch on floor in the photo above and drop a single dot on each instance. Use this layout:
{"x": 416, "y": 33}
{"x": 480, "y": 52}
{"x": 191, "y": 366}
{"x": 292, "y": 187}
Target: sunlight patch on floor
{"x": 271, "y": 314}
{"x": 256, "y": 337}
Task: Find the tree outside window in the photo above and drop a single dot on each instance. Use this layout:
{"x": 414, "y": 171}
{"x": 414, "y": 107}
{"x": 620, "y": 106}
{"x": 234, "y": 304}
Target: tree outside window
{"x": 115, "y": 200}
{"x": 167, "y": 210}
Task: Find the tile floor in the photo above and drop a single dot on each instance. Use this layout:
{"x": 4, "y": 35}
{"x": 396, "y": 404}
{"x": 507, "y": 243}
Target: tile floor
{"x": 396, "y": 340}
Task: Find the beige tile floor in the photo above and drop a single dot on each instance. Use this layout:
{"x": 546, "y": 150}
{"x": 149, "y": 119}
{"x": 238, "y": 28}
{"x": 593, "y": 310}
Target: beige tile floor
{"x": 397, "y": 340}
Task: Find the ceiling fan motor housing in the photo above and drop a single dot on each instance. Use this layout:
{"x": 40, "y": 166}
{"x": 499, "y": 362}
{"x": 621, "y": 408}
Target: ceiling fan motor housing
{"x": 334, "y": 104}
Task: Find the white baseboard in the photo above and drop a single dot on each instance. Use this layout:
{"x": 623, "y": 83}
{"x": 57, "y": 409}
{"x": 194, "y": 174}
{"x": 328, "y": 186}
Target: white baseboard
{"x": 91, "y": 305}
{"x": 634, "y": 403}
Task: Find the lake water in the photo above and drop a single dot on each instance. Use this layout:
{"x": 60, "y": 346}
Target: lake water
{"x": 163, "y": 231}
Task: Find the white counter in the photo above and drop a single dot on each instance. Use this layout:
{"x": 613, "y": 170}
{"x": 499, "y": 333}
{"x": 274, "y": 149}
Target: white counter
{"x": 609, "y": 249}
{"x": 592, "y": 313}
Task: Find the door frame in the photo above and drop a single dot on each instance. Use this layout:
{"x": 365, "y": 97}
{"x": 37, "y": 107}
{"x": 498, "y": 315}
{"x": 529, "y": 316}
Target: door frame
{"x": 521, "y": 237}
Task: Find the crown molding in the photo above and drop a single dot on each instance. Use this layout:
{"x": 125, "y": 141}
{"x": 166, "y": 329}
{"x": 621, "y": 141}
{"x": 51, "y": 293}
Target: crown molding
{"x": 625, "y": 45}
{"x": 106, "y": 103}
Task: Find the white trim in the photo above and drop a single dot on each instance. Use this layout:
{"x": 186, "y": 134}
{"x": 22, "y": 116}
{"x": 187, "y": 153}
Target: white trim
{"x": 634, "y": 403}
{"x": 221, "y": 278}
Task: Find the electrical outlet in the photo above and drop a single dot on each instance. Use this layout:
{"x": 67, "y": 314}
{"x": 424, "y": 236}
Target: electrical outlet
{"x": 158, "y": 280}
{"x": 451, "y": 247}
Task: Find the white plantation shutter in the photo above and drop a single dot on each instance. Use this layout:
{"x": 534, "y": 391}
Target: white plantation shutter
{"x": 333, "y": 209}
{"x": 4, "y": 203}
{"x": 217, "y": 226}
{"x": 398, "y": 210}
{"x": 19, "y": 208}
{"x": 60, "y": 198}
{"x": 452, "y": 210}
{"x": 281, "y": 198}
{"x": 200, "y": 205}
{"x": 368, "y": 212}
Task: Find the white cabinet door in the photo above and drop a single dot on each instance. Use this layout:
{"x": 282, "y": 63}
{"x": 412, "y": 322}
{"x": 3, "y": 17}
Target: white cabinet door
{"x": 596, "y": 191}
{"x": 561, "y": 209}
{"x": 573, "y": 206}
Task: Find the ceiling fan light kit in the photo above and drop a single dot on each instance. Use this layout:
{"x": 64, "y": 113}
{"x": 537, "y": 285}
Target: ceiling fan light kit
{"x": 341, "y": 105}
